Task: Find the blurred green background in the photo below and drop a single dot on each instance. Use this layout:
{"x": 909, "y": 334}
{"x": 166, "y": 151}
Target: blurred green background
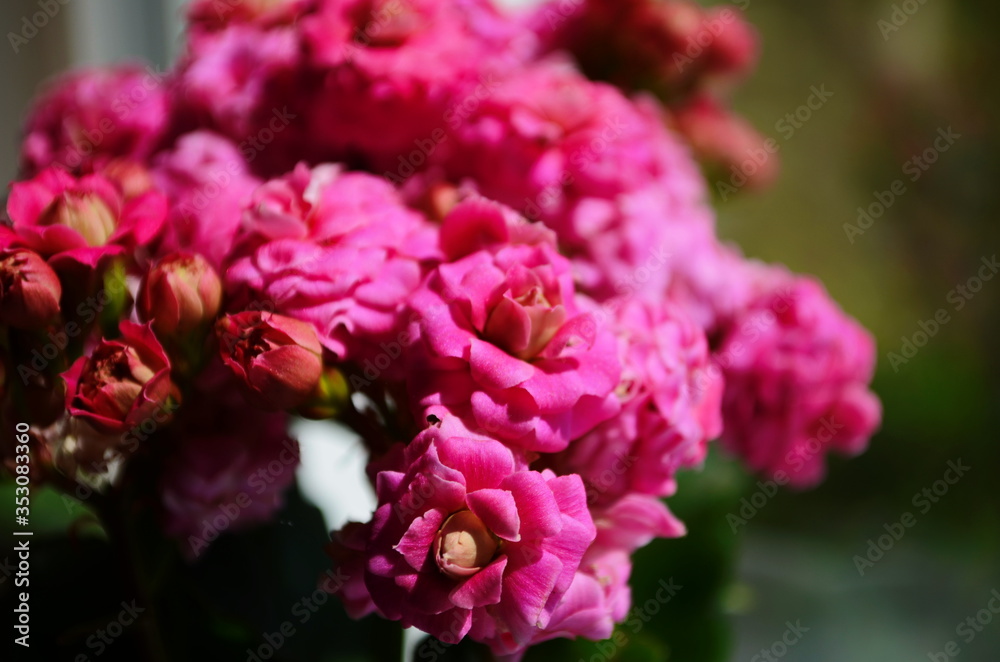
{"x": 795, "y": 560}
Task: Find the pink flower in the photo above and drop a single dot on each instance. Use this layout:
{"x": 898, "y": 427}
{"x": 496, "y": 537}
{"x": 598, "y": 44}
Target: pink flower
{"x": 122, "y": 383}
{"x": 599, "y": 169}
{"x": 94, "y": 115}
{"x": 246, "y": 82}
{"x": 29, "y": 289}
{"x": 467, "y": 541}
{"x": 671, "y": 408}
{"x": 277, "y": 359}
{"x": 338, "y": 250}
{"x": 505, "y": 347}
{"x": 179, "y": 295}
{"x": 796, "y": 371}
{"x": 386, "y": 59}
{"x": 81, "y": 220}
{"x": 227, "y": 469}
{"x": 599, "y": 596}
{"x": 208, "y": 183}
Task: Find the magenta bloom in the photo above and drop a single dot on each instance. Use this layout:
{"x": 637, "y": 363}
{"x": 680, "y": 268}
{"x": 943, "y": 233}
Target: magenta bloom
{"x": 467, "y": 541}
{"x": 337, "y": 250}
{"x": 622, "y": 193}
{"x": 227, "y": 469}
{"x": 505, "y": 347}
{"x": 387, "y": 59}
{"x": 671, "y": 408}
{"x": 796, "y": 371}
{"x": 123, "y": 383}
{"x": 599, "y": 596}
{"x": 208, "y": 183}
{"x": 93, "y": 116}
{"x": 81, "y": 220}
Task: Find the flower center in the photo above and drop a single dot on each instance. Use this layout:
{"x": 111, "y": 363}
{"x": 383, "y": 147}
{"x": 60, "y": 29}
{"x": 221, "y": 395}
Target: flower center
{"x": 464, "y": 545}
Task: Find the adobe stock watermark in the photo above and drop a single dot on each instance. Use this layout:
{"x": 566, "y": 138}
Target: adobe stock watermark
{"x": 32, "y": 24}
{"x": 128, "y": 443}
{"x": 968, "y": 628}
{"x": 923, "y": 501}
{"x": 914, "y": 168}
{"x": 898, "y": 17}
{"x": 230, "y": 511}
{"x": 797, "y": 458}
{"x": 458, "y": 112}
{"x": 87, "y": 312}
{"x": 779, "y": 649}
{"x": 122, "y": 106}
{"x": 582, "y": 159}
{"x": 958, "y": 297}
{"x": 787, "y": 127}
{"x": 637, "y": 618}
{"x": 101, "y": 640}
{"x": 698, "y": 41}
{"x": 302, "y": 612}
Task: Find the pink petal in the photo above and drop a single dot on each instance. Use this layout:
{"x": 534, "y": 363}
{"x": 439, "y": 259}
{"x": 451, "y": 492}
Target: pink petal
{"x": 498, "y": 511}
{"x": 483, "y": 588}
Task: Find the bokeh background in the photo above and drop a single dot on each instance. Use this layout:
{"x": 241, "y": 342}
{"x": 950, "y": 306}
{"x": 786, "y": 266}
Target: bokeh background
{"x": 894, "y": 87}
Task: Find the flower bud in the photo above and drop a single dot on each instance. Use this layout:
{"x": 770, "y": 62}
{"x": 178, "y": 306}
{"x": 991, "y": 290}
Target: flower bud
{"x": 179, "y": 295}
{"x": 124, "y": 383}
{"x": 86, "y": 213}
{"x": 29, "y": 289}
{"x": 464, "y": 545}
{"x": 131, "y": 177}
{"x": 278, "y": 359}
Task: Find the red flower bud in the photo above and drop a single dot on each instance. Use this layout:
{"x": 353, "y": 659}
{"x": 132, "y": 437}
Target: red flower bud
{"x": 278, "y": 359}
{"x": 29, "y": 289}
{"x": 178, "y": 295}
{"x": 123, "y": 383}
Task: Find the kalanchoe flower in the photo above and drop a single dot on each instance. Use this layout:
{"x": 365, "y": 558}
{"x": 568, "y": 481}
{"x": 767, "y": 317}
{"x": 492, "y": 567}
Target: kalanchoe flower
{"x": 227, "y": 470}
{"x": 29, "y": 289}
{"x": 89, "y": 117}
{"x": 604, "y": 172}
{"x": 208, "y": 183}
{"x": 277, "y": 359}
{"x": 339, "y": 250}
{"x": 81, "y": 220}
{"x": 600, "y": 595}
{"x": 385, "y": 59}
{"x": 180, "y": 294}
{"x": 245, "y": 83}
{"x": 122, "y": 383}
{"x": 467, "y": 541}
{"x": 503, "y": 343}
{"x": 671, "y": 408}
{"x": 796, "y": 371}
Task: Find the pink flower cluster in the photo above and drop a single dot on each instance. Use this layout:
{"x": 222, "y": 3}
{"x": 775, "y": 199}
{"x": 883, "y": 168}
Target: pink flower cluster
{"x": 412, "y": 216}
